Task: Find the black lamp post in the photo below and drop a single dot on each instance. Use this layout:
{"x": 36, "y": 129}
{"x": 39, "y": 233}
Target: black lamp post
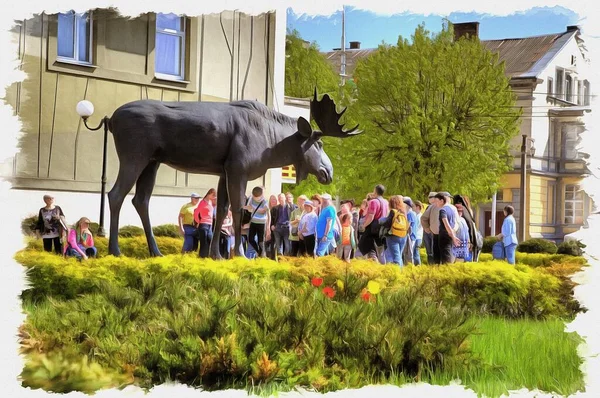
{"x": 527, "y": 148}
{"x": 85, "y": 109}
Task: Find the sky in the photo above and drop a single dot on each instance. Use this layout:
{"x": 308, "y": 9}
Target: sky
{"x": 372, "y": 29}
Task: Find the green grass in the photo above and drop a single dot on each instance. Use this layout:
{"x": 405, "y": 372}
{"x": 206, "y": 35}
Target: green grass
{"x": 521, "y": 353}
{"x": 513, "y": 353}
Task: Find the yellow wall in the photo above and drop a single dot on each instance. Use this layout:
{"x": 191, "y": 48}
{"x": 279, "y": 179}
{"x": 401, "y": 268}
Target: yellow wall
{"x": 58, "y": 152}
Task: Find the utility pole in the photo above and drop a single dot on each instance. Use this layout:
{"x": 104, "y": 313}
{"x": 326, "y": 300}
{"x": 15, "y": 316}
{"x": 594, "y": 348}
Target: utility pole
{"x": 343, "y": 55}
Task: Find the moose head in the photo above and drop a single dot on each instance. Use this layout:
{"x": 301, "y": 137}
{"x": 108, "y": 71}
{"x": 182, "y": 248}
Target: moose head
{"x": 315, "y": 160}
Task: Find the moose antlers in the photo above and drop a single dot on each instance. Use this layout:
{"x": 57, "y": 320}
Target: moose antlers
{"x": 327, "y": 118}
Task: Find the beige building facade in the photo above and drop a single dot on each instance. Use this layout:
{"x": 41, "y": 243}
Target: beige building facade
{"x": 110, "y": 60}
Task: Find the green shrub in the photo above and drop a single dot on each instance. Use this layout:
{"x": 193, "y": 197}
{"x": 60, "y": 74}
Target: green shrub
{"x": 94, "y": 228}
{"x": 488, "y": 244}
{"x": 571, "y": 247}
{"x": 237, "y": 332}
{"x": 130, "y": 231}
{"x": 167, "y": 230}
{"x": 28, "y": 225}
{"x": 536, "y": 245}
{"x": 62, "y": 373}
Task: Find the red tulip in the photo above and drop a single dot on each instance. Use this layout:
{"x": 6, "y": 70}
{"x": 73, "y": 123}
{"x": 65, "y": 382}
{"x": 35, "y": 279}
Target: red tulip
{"x": 316, "y": 282}
{"x": 366, "y": 296}
{"x": 329, "y": 292}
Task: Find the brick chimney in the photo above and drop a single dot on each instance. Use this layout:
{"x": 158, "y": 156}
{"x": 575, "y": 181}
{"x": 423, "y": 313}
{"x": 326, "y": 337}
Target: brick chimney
{"x": 466, "y": 29}
{"x": 354, "y": 45}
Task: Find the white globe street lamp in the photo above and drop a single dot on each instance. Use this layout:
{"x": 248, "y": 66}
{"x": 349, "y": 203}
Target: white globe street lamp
{"x": 85, "y": 109}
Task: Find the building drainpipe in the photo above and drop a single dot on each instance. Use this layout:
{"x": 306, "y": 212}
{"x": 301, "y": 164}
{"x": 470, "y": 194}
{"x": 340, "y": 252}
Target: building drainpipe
{"x": 493, "y": 221}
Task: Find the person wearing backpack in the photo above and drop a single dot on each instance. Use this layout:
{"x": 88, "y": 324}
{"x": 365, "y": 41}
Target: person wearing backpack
{"x": 398, "y": 225}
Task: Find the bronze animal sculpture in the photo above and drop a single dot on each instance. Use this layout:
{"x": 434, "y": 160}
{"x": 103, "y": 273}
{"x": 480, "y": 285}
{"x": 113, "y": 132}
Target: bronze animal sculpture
{"x": 238, "y": 141}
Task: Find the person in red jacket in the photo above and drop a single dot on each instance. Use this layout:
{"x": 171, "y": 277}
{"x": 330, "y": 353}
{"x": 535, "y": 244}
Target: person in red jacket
{"x": 203, "y": 216}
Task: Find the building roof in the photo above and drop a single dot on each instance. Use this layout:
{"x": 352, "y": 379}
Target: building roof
{"x": 523, "y": 57}
{"x": 527, "y": 56}
{"x": 352, "y": 56}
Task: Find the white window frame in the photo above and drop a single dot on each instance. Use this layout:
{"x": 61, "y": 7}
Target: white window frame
{"x": 570, "y": 215}
{"x": 172, "y": 32}
{"x": 75, "y": 59}
{"x": 550, "y": 87}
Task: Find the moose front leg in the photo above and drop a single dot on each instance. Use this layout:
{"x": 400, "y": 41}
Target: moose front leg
{"x": 222, "y": 209}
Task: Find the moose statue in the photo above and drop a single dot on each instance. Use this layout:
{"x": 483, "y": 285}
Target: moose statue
{"x": 238, "y": 141}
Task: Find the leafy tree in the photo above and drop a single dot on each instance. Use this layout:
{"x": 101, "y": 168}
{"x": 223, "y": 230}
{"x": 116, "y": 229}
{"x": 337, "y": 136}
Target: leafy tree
{"x": 309, "y": 187}
{"x": 307, "y": 68}
{"x": 437, "y": 115}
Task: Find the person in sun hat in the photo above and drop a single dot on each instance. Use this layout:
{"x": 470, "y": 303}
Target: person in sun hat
{"x": 80, "y": 242}
{"x": 187, "y": 226}
{"x": 307, "y": 228}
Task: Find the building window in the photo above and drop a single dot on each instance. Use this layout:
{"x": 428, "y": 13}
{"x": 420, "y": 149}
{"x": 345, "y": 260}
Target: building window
{"x": 170, "y": 46}
{"x": 573, "y": 205}
{"x": 569, "y": 88}
{"x": 500, "y": 195}
{"x": 571, "y": 141}
{"x": 580, "y": 94}
{"x": 550, "y": 89}
{"x": 75, "y": 37}
{"x": 550, "y": 202}
{"x": 587, "y": 94}
{"x": 560, "y": 77}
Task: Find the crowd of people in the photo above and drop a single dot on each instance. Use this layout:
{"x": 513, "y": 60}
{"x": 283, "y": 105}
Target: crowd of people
{"x": 385, "y": 230}
{"x": 76, "y": 241}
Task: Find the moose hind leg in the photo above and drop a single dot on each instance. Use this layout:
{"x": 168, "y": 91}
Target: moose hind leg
{"x": 128, "y": 174}
{"x": 141, "y": 201}
{"x": 222, "y": 207}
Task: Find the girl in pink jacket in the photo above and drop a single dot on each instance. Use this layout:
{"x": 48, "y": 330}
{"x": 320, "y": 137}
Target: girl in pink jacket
{"x": 80, "y": 242}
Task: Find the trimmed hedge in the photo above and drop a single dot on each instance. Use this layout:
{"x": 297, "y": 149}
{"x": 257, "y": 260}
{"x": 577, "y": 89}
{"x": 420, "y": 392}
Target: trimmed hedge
{"x": 130, "y": 231}
{"x": 571, "y": 247}
{"x": 490, "y": 287}
{"x": 136, "y": 247}
{"x": 28, "y": 225}
{"x": 167, "y": 230}
{"x": 488, "y": 244}
{"x": 536, "y": 245}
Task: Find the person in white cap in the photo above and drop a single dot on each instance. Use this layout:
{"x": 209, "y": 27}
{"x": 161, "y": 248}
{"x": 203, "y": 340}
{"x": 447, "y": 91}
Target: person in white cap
{"x": 307, "y": 228}
{"x": 325, "y": 226}
{"x": 187, "y": 228}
